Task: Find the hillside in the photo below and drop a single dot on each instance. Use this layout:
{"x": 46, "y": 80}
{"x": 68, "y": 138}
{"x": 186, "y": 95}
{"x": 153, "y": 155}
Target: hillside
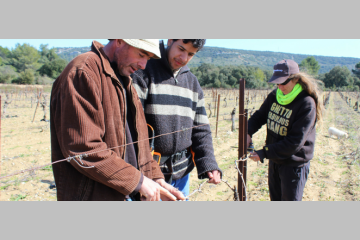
{"x": 224, "y": 56}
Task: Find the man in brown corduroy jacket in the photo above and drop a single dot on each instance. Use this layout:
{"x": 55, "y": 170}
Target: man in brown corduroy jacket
{"x": 96, "y": 114}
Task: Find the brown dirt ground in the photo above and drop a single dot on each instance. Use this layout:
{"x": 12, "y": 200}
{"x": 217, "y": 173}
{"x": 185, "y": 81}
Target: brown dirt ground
{"x": 334, "y": 171}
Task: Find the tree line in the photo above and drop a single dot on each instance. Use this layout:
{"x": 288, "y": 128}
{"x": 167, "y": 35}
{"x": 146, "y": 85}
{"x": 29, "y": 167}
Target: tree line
{"x": 263, "y": 59}
{"x": 338, "y": 78}
{"x": 211, "y": 76}
{"x": 26, "y": 65}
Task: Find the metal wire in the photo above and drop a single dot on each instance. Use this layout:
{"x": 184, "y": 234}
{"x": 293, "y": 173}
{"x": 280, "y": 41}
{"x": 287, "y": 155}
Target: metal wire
{"x": 80, "y": 157}
{"x": 78, "y": 160}
{"x": 242, "y": 159}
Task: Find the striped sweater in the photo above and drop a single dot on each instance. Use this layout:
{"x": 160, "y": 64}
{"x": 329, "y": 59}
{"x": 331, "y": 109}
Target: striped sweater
{"x": 173, "y": 104}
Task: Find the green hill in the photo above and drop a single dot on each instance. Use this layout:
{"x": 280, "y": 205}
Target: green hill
{"x": 224, "y": 56}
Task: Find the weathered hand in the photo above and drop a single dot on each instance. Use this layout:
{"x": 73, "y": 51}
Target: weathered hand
{"x": 150, "y": 190}
{"x": 214, "y": 176}
{"x": 168, "y": 192}
{"x": 254, "y": 156}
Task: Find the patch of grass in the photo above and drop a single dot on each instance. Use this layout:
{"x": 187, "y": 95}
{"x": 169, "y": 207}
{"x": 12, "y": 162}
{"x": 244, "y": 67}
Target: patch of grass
{"x": 325, "y": 173}
{"x": 5, "y": 186}
{"x": 251, "y": 183}
{"x": 220, "y": 193}
{"x": 17, "y": 197}
{"x": 16, "y": 181}
{"x": 24, "y": 155}
{"x": 259, "y": 172}
{"x": 47, "y": 168}
{"x": 225, "y": 165}
{"x": 321, "y": 184}
{"x": 330, "y": 199}
{"x": 14, "y": 147}
{"x": 323, "y": 163}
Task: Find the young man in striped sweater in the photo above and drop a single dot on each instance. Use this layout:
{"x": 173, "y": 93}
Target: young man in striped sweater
{"x": 173, "y": 103}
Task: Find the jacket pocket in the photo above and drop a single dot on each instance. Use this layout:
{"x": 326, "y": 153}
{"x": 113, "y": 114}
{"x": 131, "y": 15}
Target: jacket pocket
{"x": 85, "y": 189}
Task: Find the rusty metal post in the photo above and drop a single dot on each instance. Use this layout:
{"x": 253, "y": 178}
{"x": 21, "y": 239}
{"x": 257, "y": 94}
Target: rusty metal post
{"x": 217, "y": 115}
{"x": 245, "y": 150}
{"x": 242, "y": 135}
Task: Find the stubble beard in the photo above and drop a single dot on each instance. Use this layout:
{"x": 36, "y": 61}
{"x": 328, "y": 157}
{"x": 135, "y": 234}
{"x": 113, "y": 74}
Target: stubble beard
{"x": 116, "y": 63}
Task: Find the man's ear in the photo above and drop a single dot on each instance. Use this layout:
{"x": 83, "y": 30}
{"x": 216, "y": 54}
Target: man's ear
{"x": 119, "y": 42}
{"x": 169, "y": 42}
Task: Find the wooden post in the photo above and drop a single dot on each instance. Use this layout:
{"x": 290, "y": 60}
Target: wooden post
{"x": 215, "y": 104}
{"x": 37, "y": 105}
{"x": 209, "y": 109}
{"x": 217, "y": 115}
{"x": 233, "y": 120}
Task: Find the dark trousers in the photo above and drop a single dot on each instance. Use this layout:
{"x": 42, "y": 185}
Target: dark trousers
{"x": 287, "y": 183}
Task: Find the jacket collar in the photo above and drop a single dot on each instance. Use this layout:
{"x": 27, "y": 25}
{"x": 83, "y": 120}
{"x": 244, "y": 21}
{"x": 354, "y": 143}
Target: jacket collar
{"x": 98, "y": 48}
{"x": 165, "y": 61}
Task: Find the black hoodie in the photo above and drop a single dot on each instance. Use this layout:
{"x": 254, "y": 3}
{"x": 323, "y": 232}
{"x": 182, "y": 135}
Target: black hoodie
{"x": 291, "y": 130}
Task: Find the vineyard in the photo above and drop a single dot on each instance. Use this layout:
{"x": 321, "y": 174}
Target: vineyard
{"x": 334, "y": 170}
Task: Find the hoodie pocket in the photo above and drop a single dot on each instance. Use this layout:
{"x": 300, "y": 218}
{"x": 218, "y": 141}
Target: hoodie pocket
{"x": 297, "y": 172}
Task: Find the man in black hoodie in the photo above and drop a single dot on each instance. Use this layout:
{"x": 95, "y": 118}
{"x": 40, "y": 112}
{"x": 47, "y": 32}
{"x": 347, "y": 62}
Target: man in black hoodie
{"x": 290, "y": 113}
{"x": 173, "y": 101}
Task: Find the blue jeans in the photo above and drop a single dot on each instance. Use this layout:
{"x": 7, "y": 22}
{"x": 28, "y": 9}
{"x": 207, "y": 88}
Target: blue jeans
{"x": 183, "y": 184}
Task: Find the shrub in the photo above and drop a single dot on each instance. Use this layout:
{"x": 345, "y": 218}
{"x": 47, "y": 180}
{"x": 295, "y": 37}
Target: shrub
{"x": 25, "y": 77}
{"x": 7, "y": 74}
{"x": 44, "y": 80}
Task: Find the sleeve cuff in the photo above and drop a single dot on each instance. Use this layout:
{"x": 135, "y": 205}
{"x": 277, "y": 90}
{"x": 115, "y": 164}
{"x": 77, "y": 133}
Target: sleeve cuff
{"x": 261, "y": 154}
{"x": 137, "y": 189}
{"x": 205, "y": 175}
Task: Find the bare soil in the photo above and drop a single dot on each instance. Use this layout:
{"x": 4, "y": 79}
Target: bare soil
{"x": 334, "y": 172}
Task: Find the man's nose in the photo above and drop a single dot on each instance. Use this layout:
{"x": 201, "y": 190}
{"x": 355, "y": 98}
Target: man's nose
{"x": 142, "y": 63}
{"x": 183, "y": 57}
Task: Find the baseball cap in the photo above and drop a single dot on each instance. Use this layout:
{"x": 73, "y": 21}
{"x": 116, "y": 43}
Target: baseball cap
{"x": 282, "y": 71}
{"x": 149, "y": 45}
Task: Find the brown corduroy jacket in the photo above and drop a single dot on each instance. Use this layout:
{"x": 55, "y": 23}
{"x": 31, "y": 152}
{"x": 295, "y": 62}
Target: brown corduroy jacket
{"x": 88, "y": 115}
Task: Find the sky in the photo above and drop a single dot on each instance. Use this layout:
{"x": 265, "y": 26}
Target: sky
{"x": 322, "y": 47}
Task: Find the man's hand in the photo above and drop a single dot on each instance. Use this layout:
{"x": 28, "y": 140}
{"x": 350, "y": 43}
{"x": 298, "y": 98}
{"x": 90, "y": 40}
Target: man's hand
{"x": 249, "y": 140}
{"x": 214, "y": 176}
{"x": 149, "y": 190}
{"x": 168, "y": 189}
{"x": 254, "y": 156}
